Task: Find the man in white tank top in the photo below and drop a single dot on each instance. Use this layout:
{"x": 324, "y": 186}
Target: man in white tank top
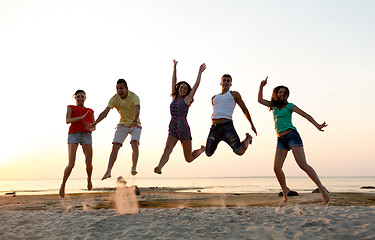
{"x": 222, "y": 128}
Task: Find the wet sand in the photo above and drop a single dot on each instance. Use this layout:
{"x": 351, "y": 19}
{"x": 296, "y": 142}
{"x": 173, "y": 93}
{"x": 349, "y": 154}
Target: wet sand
{"x": 174, "y": 198}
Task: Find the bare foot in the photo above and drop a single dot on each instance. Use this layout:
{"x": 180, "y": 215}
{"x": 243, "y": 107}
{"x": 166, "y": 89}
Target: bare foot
{"x": 200, "y": 151}
{"x": 245, "y": 144}
{"x": 249, "y": 138}
{"x": 196, "y": 153}
{"x": 106, "y": 175}
{"x": 325, "y": 196}
{"x": 285, "y": 195}
{"x": 285, "y": 198}
{"x": 203, "y": 148}
{"x": 62, "y": 191}
{"x": 89, "y": 184}
{"x": 157, "y": 170}
{"x": 133, "y": 171}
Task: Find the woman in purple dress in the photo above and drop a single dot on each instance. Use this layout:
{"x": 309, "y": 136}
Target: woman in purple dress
{"x": 179, "y": 128}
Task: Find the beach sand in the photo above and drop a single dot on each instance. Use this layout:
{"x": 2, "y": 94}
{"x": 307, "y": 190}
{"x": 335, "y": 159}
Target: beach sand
{"x": 170, "y": 214}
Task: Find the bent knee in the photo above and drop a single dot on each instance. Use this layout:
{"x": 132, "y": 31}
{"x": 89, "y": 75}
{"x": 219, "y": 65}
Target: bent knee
{"x": 71, "y": 165}
{"x": 134, "y": 142}
{"x": 189, "y": 159}
{"x": 116, "y": 146}
{"x": 277, "y": 169}
{"x": 135, "y": 145}
{"x": 305, "y": 167}
{"x": 209, "y": 153}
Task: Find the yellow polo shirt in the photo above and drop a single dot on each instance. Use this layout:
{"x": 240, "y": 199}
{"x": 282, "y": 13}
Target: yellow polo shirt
{"x": 125, "y": 107}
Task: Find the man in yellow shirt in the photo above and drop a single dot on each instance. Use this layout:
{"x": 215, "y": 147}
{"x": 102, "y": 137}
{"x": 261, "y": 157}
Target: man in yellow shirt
{"x": 128, "y": 105}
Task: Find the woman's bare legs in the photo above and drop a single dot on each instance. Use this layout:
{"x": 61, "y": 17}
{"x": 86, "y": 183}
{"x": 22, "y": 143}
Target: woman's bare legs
{"x": 72, "y": 150}
{"x": 280, "y": 157}
{"x": 189, "y": 155}
{"x": 299, "y": 156}
{"x": 169, "y": 145}
{"x": 87, "y": 150}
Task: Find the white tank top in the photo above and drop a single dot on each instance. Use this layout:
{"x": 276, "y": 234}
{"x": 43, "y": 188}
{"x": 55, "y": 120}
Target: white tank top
{"x": 223, "y": 106}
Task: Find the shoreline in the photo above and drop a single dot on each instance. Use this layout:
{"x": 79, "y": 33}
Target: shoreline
{"x": 177, "y": 198}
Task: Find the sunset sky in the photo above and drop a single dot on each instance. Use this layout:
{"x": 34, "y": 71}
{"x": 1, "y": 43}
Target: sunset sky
{"x": 323, "y": 51}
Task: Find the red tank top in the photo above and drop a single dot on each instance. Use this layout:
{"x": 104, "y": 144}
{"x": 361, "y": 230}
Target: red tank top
{"x": 79, "y": 126}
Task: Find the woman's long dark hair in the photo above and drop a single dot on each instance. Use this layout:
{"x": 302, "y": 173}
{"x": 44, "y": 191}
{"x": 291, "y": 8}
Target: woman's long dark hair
{"x": 177, "y": 88}
{"x": 275, "y": 101}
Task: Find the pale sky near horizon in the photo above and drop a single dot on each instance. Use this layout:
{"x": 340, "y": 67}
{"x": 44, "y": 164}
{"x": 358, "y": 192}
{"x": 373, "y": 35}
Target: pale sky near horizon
{"x": 322, "y": 50}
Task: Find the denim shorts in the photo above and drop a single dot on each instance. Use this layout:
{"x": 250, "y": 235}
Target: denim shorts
{"x": 289, "y": 140}
{"x": 222, "y": 132}
{"x": 123, "y": 131}
{"x": 80, "y": 137}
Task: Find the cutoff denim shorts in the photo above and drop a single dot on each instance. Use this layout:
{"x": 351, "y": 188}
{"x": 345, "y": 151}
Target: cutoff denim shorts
{"x": 80, "y": 137}
{"x": 289, "y": 140}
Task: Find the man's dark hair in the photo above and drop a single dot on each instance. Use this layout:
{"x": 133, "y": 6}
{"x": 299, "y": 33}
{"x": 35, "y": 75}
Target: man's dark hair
{"x": 122, "y": 81}
{"x": 226, "y": 75}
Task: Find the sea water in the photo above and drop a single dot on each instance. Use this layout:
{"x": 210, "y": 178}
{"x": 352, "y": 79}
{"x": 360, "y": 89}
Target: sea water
{"x": 209, "y": 185}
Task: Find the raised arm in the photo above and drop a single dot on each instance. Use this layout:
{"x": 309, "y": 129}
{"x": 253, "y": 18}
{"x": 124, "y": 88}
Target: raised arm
{"x": 100, "y": 118}
{"x": 309, "y": 118}
{"x": 69, "y": 118}
{"x": 237, "y": 97}
{"x": 174, "y": 76}
{"x": 189, "y": 97}
{"x": 261, "y": 100}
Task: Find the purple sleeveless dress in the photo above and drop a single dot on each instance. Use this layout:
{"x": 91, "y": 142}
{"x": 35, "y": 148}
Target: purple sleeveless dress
{"x": 178, "y": 126}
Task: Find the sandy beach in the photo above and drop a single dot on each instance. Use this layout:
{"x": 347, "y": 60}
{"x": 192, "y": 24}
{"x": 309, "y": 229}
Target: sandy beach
{"x": 171, "y": 214}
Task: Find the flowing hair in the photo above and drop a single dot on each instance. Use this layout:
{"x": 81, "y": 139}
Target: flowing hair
{"x": 177, "y": 88}
{"x": 275, "y": 101}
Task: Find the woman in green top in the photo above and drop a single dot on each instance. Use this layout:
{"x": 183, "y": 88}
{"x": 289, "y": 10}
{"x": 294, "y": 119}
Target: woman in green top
{"x": 288, "y": 137}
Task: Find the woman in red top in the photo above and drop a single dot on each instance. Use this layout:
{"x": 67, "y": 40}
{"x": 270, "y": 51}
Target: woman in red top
{"x": 79, "y": 118}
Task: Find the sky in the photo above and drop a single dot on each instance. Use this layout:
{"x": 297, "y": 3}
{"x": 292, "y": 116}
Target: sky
{"x": 323, "y": 51}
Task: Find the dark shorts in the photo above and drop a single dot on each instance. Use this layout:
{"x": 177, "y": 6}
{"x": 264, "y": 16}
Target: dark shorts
{"x": 289, "y": 140}
{"x": 222, "y": 132}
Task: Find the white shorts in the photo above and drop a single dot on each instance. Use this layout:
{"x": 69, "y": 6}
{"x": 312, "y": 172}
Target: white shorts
{"x": 123, "y": 131}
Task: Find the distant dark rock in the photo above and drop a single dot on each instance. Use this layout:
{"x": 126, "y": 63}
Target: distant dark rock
{"x": 368, "y": 187}
{"x": 11, "y": 193}
{"x": 137, "y": 191}
{"x": 317, "y": 191}
{"x": 290, "y": 194}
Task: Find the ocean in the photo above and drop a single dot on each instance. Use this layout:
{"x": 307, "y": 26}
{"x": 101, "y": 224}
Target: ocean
{"x": 209, "y": 185}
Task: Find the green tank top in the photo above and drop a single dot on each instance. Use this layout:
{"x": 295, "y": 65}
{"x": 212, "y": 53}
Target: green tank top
{"x": 283, "y": 118}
